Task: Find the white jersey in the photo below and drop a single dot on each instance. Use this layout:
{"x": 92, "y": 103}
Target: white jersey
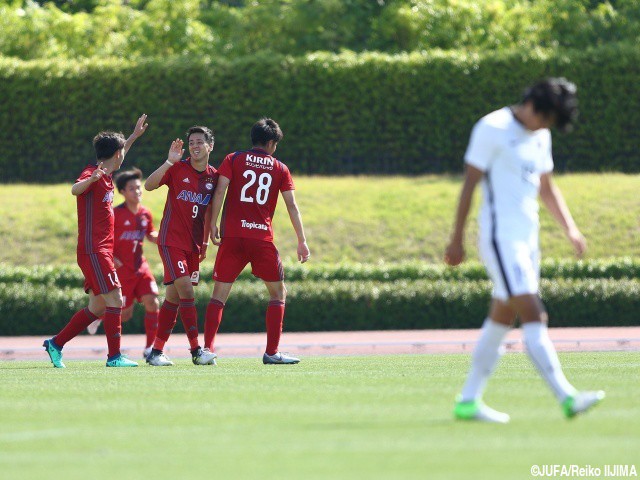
{"x": 513, "y": 159}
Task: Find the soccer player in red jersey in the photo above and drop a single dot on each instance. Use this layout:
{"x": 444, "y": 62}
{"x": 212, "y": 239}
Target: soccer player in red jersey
{"x": 134, "y": 223}
{"x": 182, "y": 240}
{"x": 94, "y": 193}
{"x": 253, "y": 179}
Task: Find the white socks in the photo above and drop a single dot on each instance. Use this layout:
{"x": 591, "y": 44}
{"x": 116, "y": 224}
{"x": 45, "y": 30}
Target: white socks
{"x": 485, "y": 357}
{"x": 544, "y": 357}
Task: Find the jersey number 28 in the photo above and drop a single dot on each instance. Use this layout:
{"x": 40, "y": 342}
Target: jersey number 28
{"x": 262, "y": 194}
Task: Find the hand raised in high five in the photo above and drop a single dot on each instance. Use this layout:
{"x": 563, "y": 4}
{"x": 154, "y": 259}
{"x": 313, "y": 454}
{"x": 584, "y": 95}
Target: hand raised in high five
{"x": 176, "y": 151}
{"x": 98, "y": 173}
{"x": 141, "y": 126}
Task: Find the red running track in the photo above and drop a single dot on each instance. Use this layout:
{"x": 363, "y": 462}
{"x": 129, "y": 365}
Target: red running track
{"x": 332, "y": 343}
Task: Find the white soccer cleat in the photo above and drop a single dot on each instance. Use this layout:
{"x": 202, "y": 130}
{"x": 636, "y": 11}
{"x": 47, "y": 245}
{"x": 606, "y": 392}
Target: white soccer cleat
{"x": 478, "y": 411}
{"x": 581, "y": 402}
{"x": 146, "y": 352}
{"x": 93, "y": 327}
{"x": 203, "y": 357}
{"x": 279, "y": 358}
{"x": 159, "y": 360}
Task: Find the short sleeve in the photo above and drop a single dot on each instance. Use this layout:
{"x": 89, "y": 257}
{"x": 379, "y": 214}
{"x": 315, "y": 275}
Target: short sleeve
{"x": 547, "y": 161}
{"x": 482, "y": 146}
{"x": 86, "y": 173}
{"x": 287, "y": 182}
{"x": 166, "y": 178}
{"x": 226, "y": 169}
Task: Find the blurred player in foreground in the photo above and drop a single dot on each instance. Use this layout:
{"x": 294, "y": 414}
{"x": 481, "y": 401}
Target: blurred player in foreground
{"x": 510, "y": 154}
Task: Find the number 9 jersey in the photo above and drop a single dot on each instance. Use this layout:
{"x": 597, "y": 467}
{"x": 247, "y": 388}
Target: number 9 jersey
{"x": 188, "y": 198}
{"x": 255, "y": 179}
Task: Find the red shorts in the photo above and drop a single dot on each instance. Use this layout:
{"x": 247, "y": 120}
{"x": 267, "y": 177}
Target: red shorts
{"x": 136, "y": 285}
{"x": 234, "y": 254}
{"x": 179, "y": 263}
{"x": 99, "y": 272}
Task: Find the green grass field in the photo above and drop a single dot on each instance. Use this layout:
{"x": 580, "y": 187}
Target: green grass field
{"x": 385, "y": 417}
{"x": 354, "y": 219}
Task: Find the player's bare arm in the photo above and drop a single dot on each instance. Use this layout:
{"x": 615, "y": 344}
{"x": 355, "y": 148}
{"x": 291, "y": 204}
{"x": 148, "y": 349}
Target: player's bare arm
{"x": 216, "y": 206}
{"x": 296, "y": 220}
{"x": 207, "y": 232}
{"x": 175, "y": 155}
{"x": 140, "y": 128}
{"x": 153, "y": 237}
{"x": 553, "y": 199}
{"x": 80, "y": 187}
{"x": 454, "y": 253}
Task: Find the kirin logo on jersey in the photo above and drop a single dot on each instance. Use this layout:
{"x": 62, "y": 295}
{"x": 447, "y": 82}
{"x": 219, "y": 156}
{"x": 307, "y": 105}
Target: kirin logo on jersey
{"x": 188, "y": 196}
{"x": 108, "y": 197}
{"x": 264, "y": 163}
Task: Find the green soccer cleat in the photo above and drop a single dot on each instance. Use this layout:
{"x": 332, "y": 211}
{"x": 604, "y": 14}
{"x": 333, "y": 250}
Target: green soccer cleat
{"x": 120, "y": 361}
{"x": 55, "y": 353}
{"x": 477, "y": 410}
{"x": 581, "y": 402}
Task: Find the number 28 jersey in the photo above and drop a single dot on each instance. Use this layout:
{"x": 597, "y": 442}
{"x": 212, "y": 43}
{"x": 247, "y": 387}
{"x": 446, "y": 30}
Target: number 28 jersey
{"x": 256, "y": 178}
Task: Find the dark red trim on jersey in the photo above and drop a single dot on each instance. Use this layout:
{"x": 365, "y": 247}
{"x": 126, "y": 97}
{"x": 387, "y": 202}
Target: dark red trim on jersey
{"x": 164, "y": 224}
{"x": 88, "y": 227}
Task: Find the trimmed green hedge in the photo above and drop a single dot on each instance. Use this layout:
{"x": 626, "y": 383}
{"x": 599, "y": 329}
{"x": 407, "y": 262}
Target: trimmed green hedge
{"x": 347, "y": 305}
{"x": 347, "y": 113}
{"x": 615, "y": 268}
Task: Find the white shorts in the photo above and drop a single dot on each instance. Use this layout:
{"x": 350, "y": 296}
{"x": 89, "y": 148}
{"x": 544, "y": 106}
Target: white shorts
{"x": 513, "y": 266}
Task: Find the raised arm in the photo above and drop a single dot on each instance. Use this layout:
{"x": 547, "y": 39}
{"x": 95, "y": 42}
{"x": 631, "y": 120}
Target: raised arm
{"x": 80, "y": 187}
{"x": 216, "y": 206}
{"x": 139, "y": 129}
{"x": 296, "y": 220}
{"x": 454, "y": 254}
{"x": 555, "y": 203}
{"x": 175, "y": 155}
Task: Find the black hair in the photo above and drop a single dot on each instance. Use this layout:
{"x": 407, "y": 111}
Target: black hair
{"x": 107, "y": 144}
{"x": 265, "y": 130}
{"x": 555, "y": 98}
{"x": 208, "y": 134}
{"x": 126, "y": 176}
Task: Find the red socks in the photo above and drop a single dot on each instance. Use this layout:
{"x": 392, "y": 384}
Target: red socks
{"x": 112, "y": 323}
{"x": 80, "y": 320}
{"x": 275, "y": 318}
{"x": 189, "y": 316}
{"x": 150, "y": 327}
{"x": 212, "y": 322}
{"x": 166, "y": 322}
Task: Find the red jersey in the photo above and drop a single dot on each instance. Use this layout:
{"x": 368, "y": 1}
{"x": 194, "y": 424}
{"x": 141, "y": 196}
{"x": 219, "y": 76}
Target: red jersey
{"x": 95, "y": 214}
{"x": 130, "y": 231}
{"x": 255, "y": 180}
{"x": 189, "y": 197}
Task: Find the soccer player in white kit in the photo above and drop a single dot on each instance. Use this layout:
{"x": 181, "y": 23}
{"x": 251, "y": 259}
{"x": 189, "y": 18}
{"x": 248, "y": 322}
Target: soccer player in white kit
{"x": 509, "y": 153}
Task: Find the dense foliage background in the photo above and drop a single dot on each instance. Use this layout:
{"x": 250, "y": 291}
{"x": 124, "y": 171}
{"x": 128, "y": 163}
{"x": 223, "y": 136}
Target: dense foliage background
{"x": 141, "y": 28}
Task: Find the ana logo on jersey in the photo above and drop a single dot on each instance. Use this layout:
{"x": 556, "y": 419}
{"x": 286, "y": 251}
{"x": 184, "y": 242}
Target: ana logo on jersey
{"x": 193, "y": 197}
